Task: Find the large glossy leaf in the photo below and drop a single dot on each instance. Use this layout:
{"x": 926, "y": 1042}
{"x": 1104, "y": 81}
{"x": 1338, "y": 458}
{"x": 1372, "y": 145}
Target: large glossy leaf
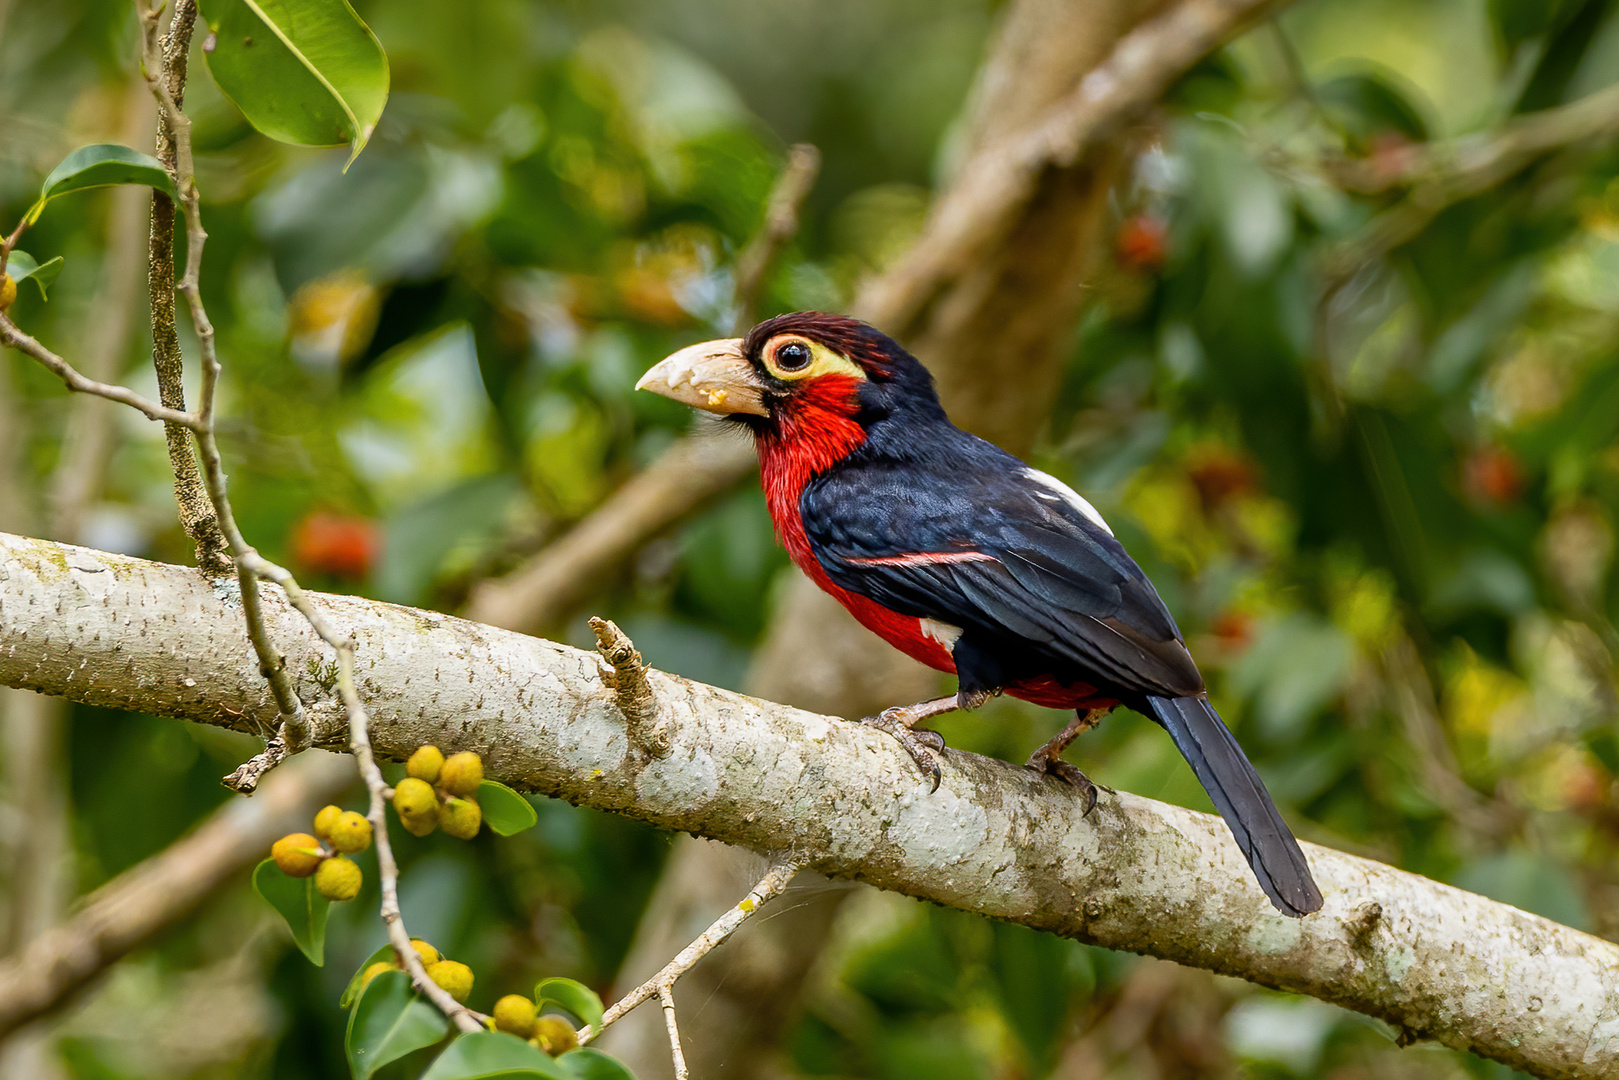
{"x": 485, "y": 1055}
{"x": 588, "y": 1063}
{"x": 504, "y": 810}
{"x": 102, "y": 165}
{"x": 22, "y": 265}
{"x": 573, "y": 996}
{"x": 302, "y": 71}
{"x": 388, "y": 1022}
{"x": 297, "y": 901}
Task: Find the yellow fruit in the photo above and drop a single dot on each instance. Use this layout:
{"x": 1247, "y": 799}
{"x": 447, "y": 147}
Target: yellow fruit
{"x": 338, "y": 879}
{"x": 350, "y": 833}
{"x": 425, "y": 763}
{"x": 374, "y": 970}
{"x": 8, "y": 292}
{"x": 414, "y": 798}
{"x": 298, "y": 854}
{"x": 455, "y": 978}
{"x": 326, "y": 819}
{"x": 554, "y": 1035}
{"x": 515, "y": 1013}
{"x": 428, "y": 954}
{"x": 462, "y": 774}
{"x": 461, "y": 818}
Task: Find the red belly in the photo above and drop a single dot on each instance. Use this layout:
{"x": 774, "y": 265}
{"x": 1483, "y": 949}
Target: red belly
{"x": 905, "y": 633}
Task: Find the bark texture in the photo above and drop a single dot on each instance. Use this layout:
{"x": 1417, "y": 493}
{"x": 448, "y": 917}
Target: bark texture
{"x": 1138, "y": 875}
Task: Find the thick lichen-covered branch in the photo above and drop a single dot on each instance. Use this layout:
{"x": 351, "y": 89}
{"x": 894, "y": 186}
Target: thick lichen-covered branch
{"x": 1139, "y": 875}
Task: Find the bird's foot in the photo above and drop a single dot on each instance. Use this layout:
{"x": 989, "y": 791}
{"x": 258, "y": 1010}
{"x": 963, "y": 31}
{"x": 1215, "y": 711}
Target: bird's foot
{"x": 923, "y": 745}
{"x": 1045, "y": 764}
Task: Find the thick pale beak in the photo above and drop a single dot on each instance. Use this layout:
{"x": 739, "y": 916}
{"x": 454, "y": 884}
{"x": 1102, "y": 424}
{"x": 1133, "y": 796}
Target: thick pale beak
{"x": 713, "y": 376}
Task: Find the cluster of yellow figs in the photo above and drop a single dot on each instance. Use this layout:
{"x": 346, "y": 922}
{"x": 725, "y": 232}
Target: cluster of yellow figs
{"x": 338, "y": 834}
{"x": 519, "y": 1016}
{"x": 452, "y": 976}
{"x": 437, "y": 793}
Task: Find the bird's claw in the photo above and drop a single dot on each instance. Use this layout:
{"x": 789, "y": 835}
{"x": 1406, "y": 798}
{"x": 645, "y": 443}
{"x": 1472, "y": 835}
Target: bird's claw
{"x": 923, "y": 745}
{"x": 1046, "y": 765}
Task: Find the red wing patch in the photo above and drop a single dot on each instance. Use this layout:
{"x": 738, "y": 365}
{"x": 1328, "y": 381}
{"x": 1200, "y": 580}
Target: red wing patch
{"x": 921, "y": 558}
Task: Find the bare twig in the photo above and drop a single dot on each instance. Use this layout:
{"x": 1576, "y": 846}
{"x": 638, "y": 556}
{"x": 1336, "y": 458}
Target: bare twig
{"x": 16, "y": 338}
{"x": 387, "y": 868}
{"x": 160, "y": 892}
{"x": 666, "y": 998}
{"x": 775, "y": 880}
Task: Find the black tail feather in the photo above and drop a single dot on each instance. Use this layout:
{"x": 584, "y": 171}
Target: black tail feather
{"x": 1240, "y": 796}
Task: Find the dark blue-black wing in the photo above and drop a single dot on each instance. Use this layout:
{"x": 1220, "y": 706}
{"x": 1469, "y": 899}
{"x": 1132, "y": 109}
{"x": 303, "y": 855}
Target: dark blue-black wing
{"x": 1006, "y": 553}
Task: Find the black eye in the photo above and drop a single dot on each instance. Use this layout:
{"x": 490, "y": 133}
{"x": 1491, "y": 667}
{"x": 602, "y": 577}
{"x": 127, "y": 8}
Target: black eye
{"x": 793, "y": 356}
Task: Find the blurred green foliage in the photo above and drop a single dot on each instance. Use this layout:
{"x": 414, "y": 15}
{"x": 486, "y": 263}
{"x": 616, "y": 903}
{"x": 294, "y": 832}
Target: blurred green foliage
{"x": 1380, "y": 499}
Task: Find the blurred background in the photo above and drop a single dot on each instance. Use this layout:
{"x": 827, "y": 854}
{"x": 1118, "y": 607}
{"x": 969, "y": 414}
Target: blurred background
{"x": 1348, "y": 395}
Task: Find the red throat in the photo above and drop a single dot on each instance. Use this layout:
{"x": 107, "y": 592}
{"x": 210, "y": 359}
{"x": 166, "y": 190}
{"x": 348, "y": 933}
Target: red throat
{"x": 815, "y": 432}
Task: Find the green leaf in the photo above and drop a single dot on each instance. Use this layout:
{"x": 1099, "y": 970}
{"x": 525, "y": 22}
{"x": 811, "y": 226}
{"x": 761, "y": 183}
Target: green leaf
{"x": 302, "y": 71}
{"x": 484, "y": 1055}
{"x": 102, "y": 165}
{"x": 588, "y": 1063}
{"x": 388, "y": 1022}
{"x": 504, "y": 810}
{"x": 22, "y": 265}
{"x": 352, "y": 990}
{"x": 571, "y": 995}
{"x": 296, "y": 899}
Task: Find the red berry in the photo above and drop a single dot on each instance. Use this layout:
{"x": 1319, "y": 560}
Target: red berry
{"x": 1143, "y": 242}
{"x": 342, "y": 545}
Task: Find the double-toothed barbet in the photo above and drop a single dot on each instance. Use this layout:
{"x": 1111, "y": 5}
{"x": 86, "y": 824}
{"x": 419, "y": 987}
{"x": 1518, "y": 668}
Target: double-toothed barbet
{"x": 965, "y": 558}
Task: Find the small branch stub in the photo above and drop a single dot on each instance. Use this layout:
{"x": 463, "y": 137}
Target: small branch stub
{"x": 648, "y": 732}
{"x": 245, "y": 779}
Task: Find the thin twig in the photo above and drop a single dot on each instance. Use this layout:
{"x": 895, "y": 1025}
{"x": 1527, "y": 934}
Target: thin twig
{"x": 666, "y": 998}
{"x": 387, "y": 868}
{"x": 14, "y": 337}
{"x": 775, "y": 880}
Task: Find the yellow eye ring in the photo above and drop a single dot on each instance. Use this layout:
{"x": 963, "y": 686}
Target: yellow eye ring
{"x": 790, "y": 357}
{"x": 794, "y": 358}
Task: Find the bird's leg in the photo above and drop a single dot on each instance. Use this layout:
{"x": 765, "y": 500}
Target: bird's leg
{"x": 923, "y": 746}
{"x": 1047, "y": 761}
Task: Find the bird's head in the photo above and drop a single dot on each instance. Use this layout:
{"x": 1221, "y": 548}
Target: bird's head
{"x": 801, "y": 371}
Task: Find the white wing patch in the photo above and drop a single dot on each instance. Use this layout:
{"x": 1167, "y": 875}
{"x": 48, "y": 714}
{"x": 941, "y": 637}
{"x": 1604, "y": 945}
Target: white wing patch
{"x": 942, "y": 632}
{"x": 1056, "y": 490}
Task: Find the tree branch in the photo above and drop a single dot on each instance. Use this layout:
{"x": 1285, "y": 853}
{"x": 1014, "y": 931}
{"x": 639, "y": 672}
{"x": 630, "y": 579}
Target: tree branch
{"x": 1138, "y": 875}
